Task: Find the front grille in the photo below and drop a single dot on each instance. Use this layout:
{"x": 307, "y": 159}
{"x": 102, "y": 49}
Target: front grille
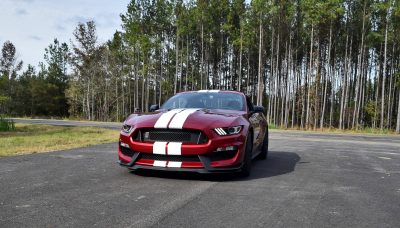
{"x": 171, "y": 135}
{"x": 177, "y": 158}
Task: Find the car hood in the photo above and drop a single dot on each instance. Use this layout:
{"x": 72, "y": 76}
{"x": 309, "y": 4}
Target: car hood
{"x": 200, "y": 119}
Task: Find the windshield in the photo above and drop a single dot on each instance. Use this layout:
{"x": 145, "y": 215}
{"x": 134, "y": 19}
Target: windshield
{"x": 230, "y": 101}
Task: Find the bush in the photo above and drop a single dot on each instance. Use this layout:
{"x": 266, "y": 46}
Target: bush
{"x": 6, "y": 124}
{"x": 272, "y": 126}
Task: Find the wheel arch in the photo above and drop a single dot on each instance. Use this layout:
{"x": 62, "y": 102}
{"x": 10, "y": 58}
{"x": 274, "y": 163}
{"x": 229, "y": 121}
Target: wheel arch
{"x": 251, "y": 131}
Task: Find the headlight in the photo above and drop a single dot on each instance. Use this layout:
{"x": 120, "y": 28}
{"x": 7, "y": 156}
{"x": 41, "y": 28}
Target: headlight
{"x": 228, "y": 130}
{"x": 127, "y": 128}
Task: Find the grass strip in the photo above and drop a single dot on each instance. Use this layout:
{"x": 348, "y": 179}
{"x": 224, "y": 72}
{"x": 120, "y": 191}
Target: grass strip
{"x": 31, "y": 138}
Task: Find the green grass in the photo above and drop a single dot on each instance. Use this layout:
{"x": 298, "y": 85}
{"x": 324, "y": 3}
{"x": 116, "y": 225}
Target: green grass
{"x": 30, "y": 138}
{"x": 5, "y": 124}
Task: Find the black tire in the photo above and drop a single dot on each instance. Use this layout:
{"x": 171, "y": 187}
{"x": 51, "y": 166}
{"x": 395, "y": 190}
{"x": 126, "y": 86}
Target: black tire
{"x": 264, "y": 148}
{"x": 246, "y": 168}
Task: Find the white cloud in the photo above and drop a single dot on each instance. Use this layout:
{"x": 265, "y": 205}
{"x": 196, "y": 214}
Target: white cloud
{"x": 20, "y": 12}
{"x": 36, "y": 38}
{"x": 32, "y": 24}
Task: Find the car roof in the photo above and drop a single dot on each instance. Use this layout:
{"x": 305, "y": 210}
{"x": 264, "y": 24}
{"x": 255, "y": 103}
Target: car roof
{"x": 214, "y": 91}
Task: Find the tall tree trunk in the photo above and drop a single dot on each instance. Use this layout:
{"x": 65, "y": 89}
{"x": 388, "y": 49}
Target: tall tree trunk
{"x": 343, "y": 86}
{"x": 348, "y": 76}
{"x": 293, "y": 94}
{"x": 202, "y": 55}
{"x": 378, "y": 74}
{"x": 143, "y": 83}
{"x": 333, "y": 81}
{"x": 147, "y": 89}
{"x": 92, "y": 105}
{"x": 260, "y": 86}
{"x": 317, "y": 83}
{"x": 270, "y": 84}
{"x": 176, "y": 61}
{"x": 384, "y": 71}
{"x": 230, "y": 65}
{"x": 129, "y": 99}
{"x": 248, "y": 73}
{"x": 187, "y": 63}
{"x": 303, "y": 95}
{"x": 289, "y": 82}
{"x": 362, "y": 91}
{"x": 390, "y": 106}
{"x": 326, "y": 78}
{"x": 275, "y": 86}
{"x": 161, "y": 73}
{"x": 123, "y": 98}
{"x": 117, "y": 99}
{"x": 309, "y": 76}
{"x": 136, "y": 106}
{"x": 181, "y": 69}
{"x": 88, "y": 101}
{"x": 359, "y": 72}
{"x": 398, "y": 115}
{"x": 240, "y": 60}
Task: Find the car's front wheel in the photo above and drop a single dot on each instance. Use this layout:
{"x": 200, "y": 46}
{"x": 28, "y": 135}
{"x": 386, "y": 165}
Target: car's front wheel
{"x": 264, "y": 149}
{"x": 246, "y": 168}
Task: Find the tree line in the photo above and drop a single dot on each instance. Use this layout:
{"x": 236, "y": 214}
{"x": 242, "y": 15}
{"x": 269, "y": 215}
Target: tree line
{"x": 311, "y": 63}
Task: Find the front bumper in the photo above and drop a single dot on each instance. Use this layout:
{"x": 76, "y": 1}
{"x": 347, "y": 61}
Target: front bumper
{"x": 206, "y": 167}
{"x": 199, "y": 158}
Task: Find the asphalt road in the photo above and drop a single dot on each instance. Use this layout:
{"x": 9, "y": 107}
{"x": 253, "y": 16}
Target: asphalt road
{"x": 309, "y": 180}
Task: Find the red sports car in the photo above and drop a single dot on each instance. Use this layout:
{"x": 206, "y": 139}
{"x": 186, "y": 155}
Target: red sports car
{"x": 206, "y": 131}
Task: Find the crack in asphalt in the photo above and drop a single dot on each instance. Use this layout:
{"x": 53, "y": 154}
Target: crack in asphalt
{"x": 161, "y": 213}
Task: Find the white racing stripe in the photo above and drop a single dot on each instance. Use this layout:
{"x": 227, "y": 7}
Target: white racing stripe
{"x": 159, "y": 148}
{"x": 160, "y": 163}
{"x": 174, "y": 148}
{"x": 180, "y": 118}
{"x": 174, "y": 164}
{"x": 164, "y": 119}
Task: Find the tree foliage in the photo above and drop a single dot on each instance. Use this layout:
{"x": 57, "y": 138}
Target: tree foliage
{"x": 311, "y": 63}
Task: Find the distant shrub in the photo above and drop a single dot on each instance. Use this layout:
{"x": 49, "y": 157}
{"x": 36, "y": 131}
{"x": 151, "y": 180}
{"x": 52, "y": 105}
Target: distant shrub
{"x": 272, "y": 126}
{"x": 6, "y": 124}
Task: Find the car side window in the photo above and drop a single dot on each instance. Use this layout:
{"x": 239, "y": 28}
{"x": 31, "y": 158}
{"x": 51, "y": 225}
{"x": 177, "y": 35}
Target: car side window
{"x": 250, "y": 106}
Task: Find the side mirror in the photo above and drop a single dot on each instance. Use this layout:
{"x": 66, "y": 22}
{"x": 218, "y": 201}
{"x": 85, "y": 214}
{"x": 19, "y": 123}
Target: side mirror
{"x": 259, "y": 109}
{"x": 153, "y": 108}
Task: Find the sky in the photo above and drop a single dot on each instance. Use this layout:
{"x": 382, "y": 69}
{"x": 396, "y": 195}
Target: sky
{"x": 31, "y": 25}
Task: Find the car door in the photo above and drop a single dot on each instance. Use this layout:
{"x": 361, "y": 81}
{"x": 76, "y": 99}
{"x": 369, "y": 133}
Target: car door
{"x": 254, "y": 119}
{"x": 263, "y": 126}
